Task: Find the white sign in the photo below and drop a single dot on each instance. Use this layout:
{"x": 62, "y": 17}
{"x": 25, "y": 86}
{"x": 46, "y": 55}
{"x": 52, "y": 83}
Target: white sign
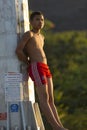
{"x": 13, "y": 86}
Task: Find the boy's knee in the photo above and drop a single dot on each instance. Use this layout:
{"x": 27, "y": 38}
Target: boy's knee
{"x": 51, "y": 100}
{"x": 44, "y": 96}
{"x": 44, "y": 104}
{"x": 44, "y": 100}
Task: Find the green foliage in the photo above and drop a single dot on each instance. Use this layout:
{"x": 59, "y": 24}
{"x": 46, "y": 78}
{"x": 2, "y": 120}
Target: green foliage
{"x": 67, "y": 58}
{"x": 48, "y": 25}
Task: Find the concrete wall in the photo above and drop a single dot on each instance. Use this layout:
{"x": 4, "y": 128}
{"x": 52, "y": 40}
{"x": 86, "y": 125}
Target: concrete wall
{"x": 8, "y": 42}
{"x": 14, "y": 20}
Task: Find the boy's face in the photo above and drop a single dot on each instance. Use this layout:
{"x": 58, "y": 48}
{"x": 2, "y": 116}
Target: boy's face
{"x": 38, "y": 22}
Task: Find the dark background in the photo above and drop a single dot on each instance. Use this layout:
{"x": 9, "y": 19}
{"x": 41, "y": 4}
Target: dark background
{"x": 65, "y": 14}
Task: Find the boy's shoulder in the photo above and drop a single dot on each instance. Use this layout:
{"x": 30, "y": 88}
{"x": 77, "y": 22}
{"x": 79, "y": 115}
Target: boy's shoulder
{"x": 28, "y": 34}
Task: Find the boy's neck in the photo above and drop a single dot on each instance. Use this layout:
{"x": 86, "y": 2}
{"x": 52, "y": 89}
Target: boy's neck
{"x": 36, "y": 31}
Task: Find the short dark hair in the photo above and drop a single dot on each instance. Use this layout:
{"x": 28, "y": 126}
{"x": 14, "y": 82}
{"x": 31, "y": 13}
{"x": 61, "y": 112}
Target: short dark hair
{"x": 33, "y": 14}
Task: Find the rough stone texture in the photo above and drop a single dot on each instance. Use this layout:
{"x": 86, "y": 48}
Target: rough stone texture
{"x": 66, "y": 14}
{"x": 14, "y": 21}
{"x": 8, "y": 38}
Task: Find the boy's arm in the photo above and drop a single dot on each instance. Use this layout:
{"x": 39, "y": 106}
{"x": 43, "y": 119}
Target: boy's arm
{"x": 21, "y": 45}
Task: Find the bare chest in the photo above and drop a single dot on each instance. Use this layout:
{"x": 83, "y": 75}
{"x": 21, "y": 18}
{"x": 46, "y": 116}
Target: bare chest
{"x": 37, "y": 41}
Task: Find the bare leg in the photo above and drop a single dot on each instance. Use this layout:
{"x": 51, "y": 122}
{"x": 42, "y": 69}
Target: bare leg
{"x": 51, "y": 101}
{"x": 42, "y": 92}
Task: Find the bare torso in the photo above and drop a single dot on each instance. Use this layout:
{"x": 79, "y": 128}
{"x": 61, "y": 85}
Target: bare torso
{"x": 34, "y": 49}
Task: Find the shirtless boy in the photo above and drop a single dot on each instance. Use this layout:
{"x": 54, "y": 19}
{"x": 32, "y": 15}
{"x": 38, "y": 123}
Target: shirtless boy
{"x": 31, "y": 45}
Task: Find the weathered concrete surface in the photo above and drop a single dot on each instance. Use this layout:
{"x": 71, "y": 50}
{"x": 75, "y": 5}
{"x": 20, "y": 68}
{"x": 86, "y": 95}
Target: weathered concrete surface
{"x": 14, "y": 20}
{"x": 8, "y": 40}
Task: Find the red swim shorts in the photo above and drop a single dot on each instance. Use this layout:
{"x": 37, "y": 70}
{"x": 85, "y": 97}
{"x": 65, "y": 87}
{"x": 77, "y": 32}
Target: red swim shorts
{"x": 39, "y": 72}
